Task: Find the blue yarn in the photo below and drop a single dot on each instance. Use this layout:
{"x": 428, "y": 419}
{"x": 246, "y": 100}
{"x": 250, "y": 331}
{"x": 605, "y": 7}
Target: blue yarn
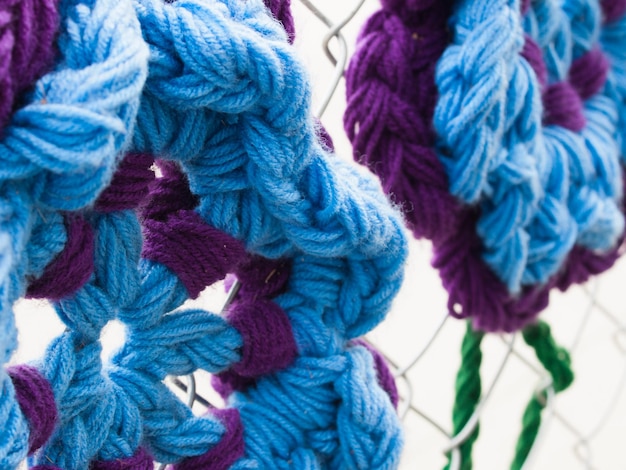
{"x": 485, "y": 86}
{"x": 540, "y": 188}
{"x": 593, "y": 154}
{"x": 58, "y": 153}
{"x": 613, "y": 38}
{"x": 169, "y": 427}
{"x": 85, "y": 398}
{"x": 176, "y": 343}
{"x": 47, "y": 239}
{"x": 237, "y": 117}
{"x": 229, "y": 101}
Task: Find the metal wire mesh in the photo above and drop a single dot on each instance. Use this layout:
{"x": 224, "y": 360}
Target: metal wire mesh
{"x": 582, "y": 428}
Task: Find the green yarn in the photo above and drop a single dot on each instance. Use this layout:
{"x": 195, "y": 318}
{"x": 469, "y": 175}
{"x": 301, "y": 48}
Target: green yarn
{"x": 557, "y": 362}
{"x": 468, "y": 390}
{"x": 554, "y": 359}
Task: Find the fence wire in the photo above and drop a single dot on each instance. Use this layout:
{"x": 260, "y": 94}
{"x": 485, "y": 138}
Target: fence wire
{"x": 327, "y": 32}
{"x": 581, "y": 429}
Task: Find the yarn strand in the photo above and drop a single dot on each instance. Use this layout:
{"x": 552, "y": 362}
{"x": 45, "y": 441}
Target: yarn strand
{"x": 557, "y": 363}
{"x": 468, "y": 390}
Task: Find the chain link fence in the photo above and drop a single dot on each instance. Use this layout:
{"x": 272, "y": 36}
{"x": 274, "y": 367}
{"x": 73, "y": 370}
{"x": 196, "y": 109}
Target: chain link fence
{"x": 582, "y": 428}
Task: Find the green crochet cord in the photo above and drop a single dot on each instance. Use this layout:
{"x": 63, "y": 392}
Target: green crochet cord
{"x": 556, "y": 361}
{"x": 468, "y": 390}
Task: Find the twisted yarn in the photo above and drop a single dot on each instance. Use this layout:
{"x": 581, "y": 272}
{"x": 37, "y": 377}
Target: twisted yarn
{"x": 244, "y": 138}
{"x": 242, "y": 175}
{"x": 505, "y": 203}
{"x": 27, "y": 30}
{"x": 468, "y": 390}
{"x": 555, "y": 360}
{"x": 59, "y": 149}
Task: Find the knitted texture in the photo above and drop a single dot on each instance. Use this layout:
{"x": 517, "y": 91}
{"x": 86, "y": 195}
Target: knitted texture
{"x": 507, "y": 160}
{"x": 245, "y": 186}
{"x": 59, "y": 149}
{"x": 237, "y": 120}
{"x": 27, "y": 30}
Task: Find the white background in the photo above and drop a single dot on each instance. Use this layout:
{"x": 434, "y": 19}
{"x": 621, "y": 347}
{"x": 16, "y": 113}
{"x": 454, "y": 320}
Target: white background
{"x": 599, "y": 360}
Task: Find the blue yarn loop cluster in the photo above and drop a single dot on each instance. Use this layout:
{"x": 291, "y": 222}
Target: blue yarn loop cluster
{"x": 58, "y": 153}
{"x": 216, "y": 88}
{"x": 228, "y": 100}
{"x": 612, "y": 37}
{"x": 540, "y": 187}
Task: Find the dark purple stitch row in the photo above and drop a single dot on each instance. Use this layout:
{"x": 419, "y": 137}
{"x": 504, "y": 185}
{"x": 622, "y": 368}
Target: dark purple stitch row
{"x": 415, "y": 33}
{"x": 27, "y": 33}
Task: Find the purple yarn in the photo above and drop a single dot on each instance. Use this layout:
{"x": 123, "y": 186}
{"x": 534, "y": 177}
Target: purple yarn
{"x": 140, "y": 461}
{"x": 27, "y": 32}
{"x": 383, "y": 373}
{"x": 563, "y": 107}
{"x": 199, "y": 254}
{"x": 391, "y": 97}
{"x": 73, "y": 267}
{"x": 268, "y": 341}
{"x": 563, "y": 101}
{"x": 533, "y": 55}
{"x": 475, "y": 291}
{"x": 169, "y": 193}
{"x": 261, "y": 277}
{"x": 588, "y": 73}
{"x": 228, "y": 382}
{"x": 281, "y": 9}
{"x": 324, "y": 137}
{"x": 36, "y": 399}
{"x": 613, "y": 10}
{"x": 391, "y": 100}
{"x": 177, "y": 237}
{"x": 228, "y": 450}
{"x": 130, "y": 184}
{"x": 70, "y": 269}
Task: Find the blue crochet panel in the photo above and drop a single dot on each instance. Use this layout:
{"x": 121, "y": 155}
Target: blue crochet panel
{"x": 524, "y": 139}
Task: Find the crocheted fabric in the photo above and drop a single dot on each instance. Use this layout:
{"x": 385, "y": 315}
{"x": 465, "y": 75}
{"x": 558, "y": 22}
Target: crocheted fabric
{"x": 244, "y": 187}
{"x": 496, "y": 125}
{"x": 60, "y": 141}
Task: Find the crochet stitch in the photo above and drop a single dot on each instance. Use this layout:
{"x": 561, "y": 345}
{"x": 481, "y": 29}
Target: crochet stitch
{"x": 59, "y": 149}
{"x": 244, "y": 187}
{"x": 249, "y": 150}
{"x": 566, "y": 184}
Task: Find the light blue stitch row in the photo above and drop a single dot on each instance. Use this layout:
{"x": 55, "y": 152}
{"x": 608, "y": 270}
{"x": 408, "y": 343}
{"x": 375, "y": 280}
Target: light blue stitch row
{"x": 593, "y": 154}
{"x": 237, "y": 116}
{"x": 613, "y": 38}
{"x": 58, "y": 153}
{"x": 317, "y": 411}
{"x": 30, "y": 257}
{"x": 172, "y": 341}
{"x": 540, "y": 188}
{"x": 85, "y": 398}
{"x": 266, "y": 140}
{"x": 488, "y": 120}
